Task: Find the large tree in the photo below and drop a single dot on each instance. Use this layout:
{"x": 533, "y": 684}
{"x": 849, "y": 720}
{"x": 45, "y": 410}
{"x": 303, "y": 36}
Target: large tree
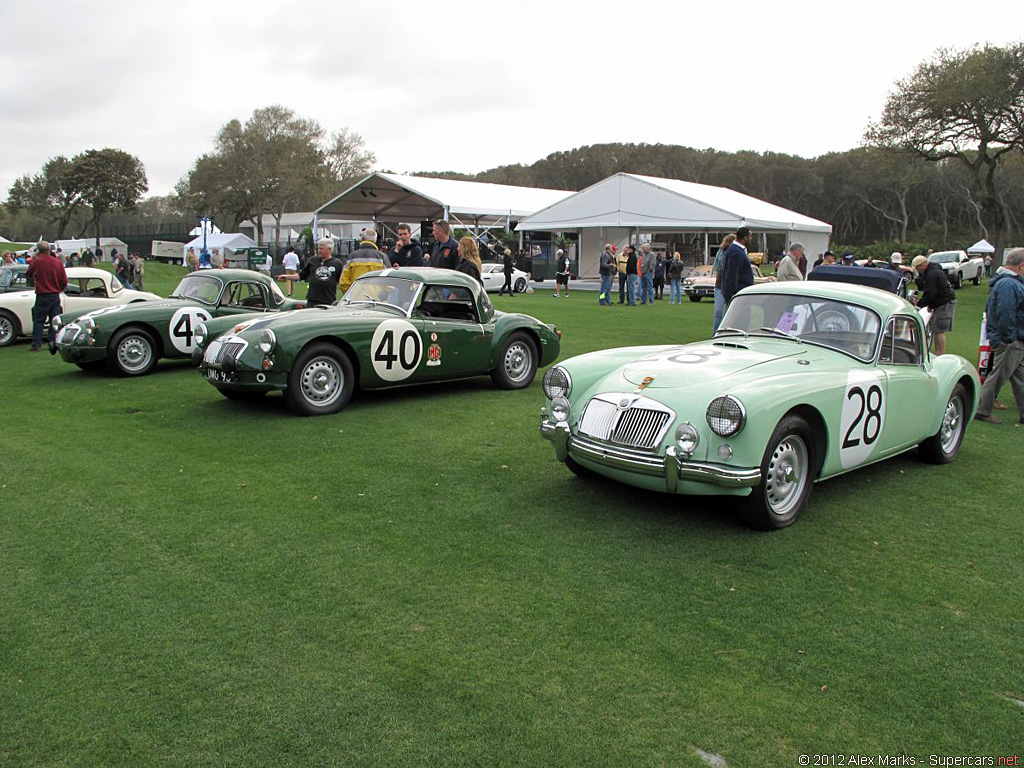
{"x": 109, "y": 179}
{"x": 53, "y": 193}
{"x": 965, "y": 105}
{"x": 275, "y": 162}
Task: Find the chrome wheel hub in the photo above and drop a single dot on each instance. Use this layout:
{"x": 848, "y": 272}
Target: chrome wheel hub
{"x": 322, "y": 381}
{"x": 952, "y": 425}
{"x": 134, "y": 353}
{"x": 517, "y": 361}
{"x": 787, "y": 476}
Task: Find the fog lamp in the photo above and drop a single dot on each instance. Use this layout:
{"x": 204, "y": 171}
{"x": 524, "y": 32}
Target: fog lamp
{"x": 687, "y": 439}
{"x": 560, "y": 409}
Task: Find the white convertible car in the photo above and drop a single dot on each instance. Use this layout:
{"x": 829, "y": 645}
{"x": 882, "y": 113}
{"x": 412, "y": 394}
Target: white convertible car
{"x": 494, "y": 278}
{"x": 88, "y": 289}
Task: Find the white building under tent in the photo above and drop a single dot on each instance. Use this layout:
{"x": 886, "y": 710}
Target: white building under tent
{"x": 625, "y": 207}
{"x": 389, "y": 198}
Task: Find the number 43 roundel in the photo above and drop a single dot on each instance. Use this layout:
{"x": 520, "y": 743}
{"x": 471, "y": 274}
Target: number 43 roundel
{"x": 863, "y": 417}
{"x": 182, "y": 328}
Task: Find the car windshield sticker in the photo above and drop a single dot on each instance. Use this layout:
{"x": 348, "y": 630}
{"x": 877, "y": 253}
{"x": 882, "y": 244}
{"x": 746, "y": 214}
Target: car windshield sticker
{"x": 182, "y": 327}
{"x": 863, "y": 417}
{"x": 434, "y": 354}
{"x": 787, "y": 323}
{"x": 396, "y": 350}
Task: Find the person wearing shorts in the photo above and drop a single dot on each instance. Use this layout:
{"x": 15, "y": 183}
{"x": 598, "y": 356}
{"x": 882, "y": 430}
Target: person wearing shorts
{"x": 936, "y": 295}
{"x": 561, "y": 273}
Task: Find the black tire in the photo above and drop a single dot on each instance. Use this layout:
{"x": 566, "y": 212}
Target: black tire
{"x": 977, "y": 278}
{"x": 780, "y": 497}
{"x": 320, "y": 382}
{"x": 132, "y": 352}
{"x": 93, "y": 365}
{"x": 517, "y": 362}
{"x": 691, "y": 297}
{"x": 10, "y": 329}
{"x": 242, "y": 394}
{"x": 958, "y": 281}
{"x": 520, "y": 285}
{"x": 578, "y": 469}
{"x": 944, "y": 445}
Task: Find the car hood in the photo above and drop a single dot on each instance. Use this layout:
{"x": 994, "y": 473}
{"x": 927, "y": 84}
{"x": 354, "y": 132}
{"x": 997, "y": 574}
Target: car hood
{"x": 316, "y": 315}
{"x": 694, "y": 366}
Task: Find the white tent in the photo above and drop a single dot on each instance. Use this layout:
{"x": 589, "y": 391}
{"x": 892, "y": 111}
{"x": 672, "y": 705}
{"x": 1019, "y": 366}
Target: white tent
{"x": 79, "y": 245}
{"x": 211, "y": 228}
{"x": 982, "y": 246}
{"x": 390, "y": 197}
{"x": 226, "y": 243}
{"x": 4, "y": 239}
{"x": 625, "y": 204}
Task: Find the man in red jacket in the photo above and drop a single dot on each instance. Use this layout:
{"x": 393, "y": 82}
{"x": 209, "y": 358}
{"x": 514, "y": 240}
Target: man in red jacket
{"x": 50, "y": 280}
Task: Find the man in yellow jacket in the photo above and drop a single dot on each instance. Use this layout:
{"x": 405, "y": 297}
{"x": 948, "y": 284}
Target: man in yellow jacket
{"x": 366, "y": 258}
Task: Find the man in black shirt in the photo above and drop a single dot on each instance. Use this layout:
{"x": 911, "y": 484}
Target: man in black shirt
{"x": 408, "y": 252}
{"x": 446, "y": 251}
{"x": 936, "y": 295}
{"x": 323, "y": 272}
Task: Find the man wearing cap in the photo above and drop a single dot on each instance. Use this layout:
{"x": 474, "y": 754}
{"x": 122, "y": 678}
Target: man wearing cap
{"x": 895, "y": 260}
{"x": 936, "y": 295}
{"x": 1004, "y": 321}
{"x": 561, "y": 273}
{"x": 323, "y": 272}
{"x": 847, "y": 259}
{"x": 737, "y": 273}
{"x": 366, "y": 258}
{"x": 50, "y": 280}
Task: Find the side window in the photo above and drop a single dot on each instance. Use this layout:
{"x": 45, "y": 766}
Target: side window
{"x": 246, "y": 295}
{"x": 901, "y": 344}
{"x": 448, "y": 302}
{"x": 94, "y": 288}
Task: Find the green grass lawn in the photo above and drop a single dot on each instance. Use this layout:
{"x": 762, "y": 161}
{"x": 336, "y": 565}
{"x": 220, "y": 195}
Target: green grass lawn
{"x": 417, "y": 581}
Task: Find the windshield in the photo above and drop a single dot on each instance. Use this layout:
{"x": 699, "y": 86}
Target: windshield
{"x": 844, "y": 327}
{"x": 198, "y": 287}
{"x": 276, "y": 296}
{"x": 945, "y": 257}
{"x": 396, "y": 292}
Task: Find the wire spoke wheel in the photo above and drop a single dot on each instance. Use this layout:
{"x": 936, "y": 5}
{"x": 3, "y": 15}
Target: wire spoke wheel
{"x": 6, "y": 331}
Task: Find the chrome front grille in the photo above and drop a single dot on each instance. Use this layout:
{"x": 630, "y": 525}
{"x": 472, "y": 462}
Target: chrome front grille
{"x": 640, "y": 423}
{"x": 230, "y": 351}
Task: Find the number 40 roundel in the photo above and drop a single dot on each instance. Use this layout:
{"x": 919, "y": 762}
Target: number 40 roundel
{"x": 863, "y": 418}
{"x": 396, "y": 350}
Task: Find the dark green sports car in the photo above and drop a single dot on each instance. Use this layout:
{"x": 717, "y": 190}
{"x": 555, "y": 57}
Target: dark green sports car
{"x": 394, "y": 327}
{"x": 130, "y": 339}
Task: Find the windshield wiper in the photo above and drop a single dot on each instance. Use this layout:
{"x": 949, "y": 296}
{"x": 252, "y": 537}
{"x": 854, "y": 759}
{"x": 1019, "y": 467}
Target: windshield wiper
{"x": 722, "y": 329}
{"x": 781, "y": 333}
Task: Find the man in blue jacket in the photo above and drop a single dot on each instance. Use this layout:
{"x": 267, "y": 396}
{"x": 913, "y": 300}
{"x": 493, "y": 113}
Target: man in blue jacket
{"x": 737, "y": 273}
{"x": 1004, "y": 321}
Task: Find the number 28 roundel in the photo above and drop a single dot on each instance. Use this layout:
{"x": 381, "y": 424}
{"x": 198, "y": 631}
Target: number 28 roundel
{"x": 862, "y": 419}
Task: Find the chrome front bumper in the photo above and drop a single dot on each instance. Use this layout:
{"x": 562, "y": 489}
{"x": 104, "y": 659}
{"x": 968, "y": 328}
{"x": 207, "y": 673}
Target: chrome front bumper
{"x": 672, "y": 467}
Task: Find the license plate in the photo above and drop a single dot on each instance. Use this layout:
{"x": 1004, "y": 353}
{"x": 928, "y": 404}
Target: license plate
{"x": 214, "y": 375}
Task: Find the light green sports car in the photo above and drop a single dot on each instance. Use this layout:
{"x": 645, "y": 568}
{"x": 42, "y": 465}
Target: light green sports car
{"x": 802, "y": 382}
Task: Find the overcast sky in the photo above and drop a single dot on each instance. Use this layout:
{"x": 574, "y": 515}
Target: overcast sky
{"x": 462, "y": 86}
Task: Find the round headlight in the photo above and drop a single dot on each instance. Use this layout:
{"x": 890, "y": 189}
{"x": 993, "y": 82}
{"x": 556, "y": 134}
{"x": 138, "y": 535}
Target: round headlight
{"x": 556, "y": 382}
{"x": 560, "y": 409}
{"x": 86, "y": 323}
{"x": 200, "y": 333}
{"x": 687, "y": 438}
{"x": 57, "y": 322}
{"x": 726, "y": 416}
{"x": 267, "y": 341}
